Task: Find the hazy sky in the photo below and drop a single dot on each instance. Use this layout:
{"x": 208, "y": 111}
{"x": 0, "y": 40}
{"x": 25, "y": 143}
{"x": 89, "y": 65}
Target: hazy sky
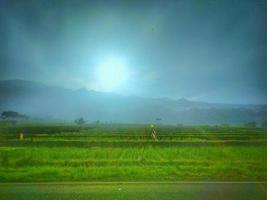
{"x": 212, "y": 51}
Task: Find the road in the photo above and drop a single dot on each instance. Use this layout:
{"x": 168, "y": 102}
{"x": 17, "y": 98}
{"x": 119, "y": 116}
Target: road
{"x": 135, "y": 191}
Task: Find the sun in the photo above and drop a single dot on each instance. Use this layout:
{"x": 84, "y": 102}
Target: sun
{"x": 112, "y": 74}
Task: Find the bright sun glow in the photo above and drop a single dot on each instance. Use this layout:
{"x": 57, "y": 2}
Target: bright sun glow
{"x": 112, "y": 74}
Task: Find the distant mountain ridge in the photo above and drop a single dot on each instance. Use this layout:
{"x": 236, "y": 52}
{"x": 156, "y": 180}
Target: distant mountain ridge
{"x": 39, "y": 100}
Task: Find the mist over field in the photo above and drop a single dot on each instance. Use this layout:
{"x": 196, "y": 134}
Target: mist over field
{"x": 55, "y": 103}
{"x": 191, "y": 62}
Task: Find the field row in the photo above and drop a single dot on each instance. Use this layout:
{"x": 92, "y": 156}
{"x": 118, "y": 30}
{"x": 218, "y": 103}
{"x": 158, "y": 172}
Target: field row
{"x": 136, "y": 137}
{"x": 124, "y": 130}
{"x": 133, "y": 163}
{"x": 141, "y": 143}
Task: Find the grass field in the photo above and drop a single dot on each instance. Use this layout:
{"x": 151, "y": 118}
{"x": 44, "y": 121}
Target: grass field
{"x": 133, "y": 163}
{"x": 115, "y": 153}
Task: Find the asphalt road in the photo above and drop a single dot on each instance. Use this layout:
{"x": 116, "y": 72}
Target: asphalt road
{"x": 135, "y": 191}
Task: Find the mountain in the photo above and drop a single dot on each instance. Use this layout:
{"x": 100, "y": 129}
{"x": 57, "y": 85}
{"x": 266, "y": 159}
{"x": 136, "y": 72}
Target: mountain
{"x": 49, "y": 102}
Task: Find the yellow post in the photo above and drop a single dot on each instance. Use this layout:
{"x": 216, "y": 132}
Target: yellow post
{"x": 21, "y": 136}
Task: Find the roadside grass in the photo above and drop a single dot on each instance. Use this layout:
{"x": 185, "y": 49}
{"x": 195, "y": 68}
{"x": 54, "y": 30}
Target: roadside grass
{"x": 132, "y": 163}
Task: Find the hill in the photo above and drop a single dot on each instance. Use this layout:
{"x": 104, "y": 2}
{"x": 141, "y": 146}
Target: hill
{"x": 49, "y": 102}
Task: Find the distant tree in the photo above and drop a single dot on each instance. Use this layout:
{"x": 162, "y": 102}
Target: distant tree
{"x": 264, "y": 124}
{"x": 180, "y": 125}
{"x": 158, "y": 120}
{"x": 251, "y": 124}
{"x": 79, "y": 121}
{"x": 205, "y": 126}
{"x": 12, "y": 116}
{"x": 224, "y": 125}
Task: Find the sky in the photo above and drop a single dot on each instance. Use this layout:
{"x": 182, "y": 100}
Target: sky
{"x": 214, "y": 51}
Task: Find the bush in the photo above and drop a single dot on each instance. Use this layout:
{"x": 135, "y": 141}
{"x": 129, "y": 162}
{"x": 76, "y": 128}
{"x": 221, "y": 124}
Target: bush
{"x": 264, "y": 124}
{"x": 251, "y": 124}
{"x": 80, "y": 121}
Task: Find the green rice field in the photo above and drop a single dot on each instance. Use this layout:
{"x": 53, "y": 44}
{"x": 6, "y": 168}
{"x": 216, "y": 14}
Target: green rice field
{"x": 115, "y": 153}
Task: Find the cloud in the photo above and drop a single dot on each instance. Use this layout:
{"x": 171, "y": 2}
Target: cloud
{"x": 214, "y": 51}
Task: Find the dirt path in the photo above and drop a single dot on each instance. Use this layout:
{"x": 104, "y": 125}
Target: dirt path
{"x": 135, "y": 190}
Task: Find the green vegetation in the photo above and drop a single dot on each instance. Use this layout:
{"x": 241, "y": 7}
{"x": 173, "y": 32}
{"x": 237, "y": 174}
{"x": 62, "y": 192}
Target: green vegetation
{"x": 80, "y": 121}
{"x": 264, "y": 124}
{"x": 251, "y": 124}
{"x": 146, "y": 163}
{"x": 121, "y": 153}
